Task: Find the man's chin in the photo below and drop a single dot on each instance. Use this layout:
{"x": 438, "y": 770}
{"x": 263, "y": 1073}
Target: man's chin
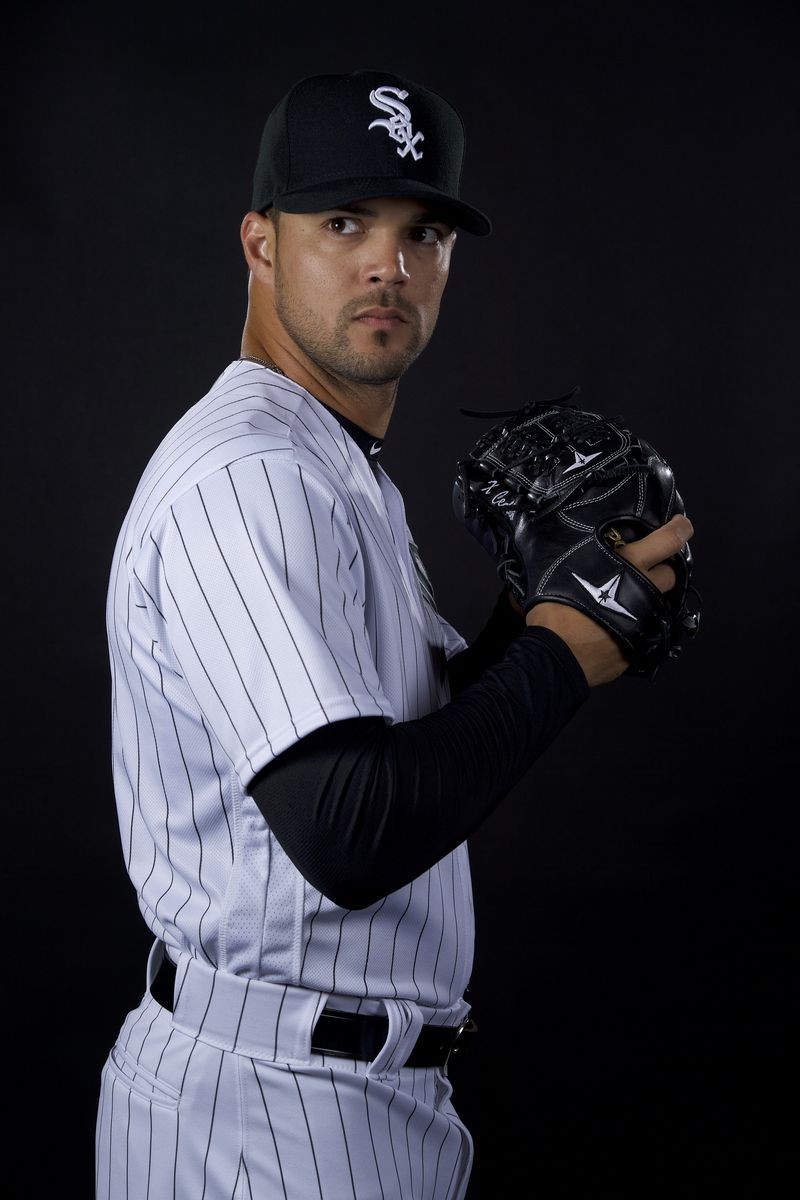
{"x": 379, "y": 368}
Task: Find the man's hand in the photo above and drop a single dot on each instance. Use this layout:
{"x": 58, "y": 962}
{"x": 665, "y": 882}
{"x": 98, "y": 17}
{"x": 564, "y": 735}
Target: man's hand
{"x": 599, "y": 654}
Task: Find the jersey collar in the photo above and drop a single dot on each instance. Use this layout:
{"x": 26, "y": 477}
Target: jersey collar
{"x": 369, "y": 445}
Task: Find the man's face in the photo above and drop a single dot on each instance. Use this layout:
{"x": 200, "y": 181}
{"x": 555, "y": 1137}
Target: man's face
{"x": 358, "y": 288}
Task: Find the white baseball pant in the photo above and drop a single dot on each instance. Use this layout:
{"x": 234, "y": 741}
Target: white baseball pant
{"x": 224, "y": 1100}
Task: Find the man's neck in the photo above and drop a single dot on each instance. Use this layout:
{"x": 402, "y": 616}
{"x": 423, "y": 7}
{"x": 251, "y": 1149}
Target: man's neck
{"x": 369, "y": 405}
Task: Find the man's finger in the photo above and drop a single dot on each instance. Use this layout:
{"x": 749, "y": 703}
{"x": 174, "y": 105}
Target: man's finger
{"x": 663, "y": 576}
{"x": 661, "y": 544}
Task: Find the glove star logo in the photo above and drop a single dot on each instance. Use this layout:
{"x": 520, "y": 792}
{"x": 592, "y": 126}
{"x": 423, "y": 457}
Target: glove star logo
{"x": 606, "y": 594}
{"x": 398, "y": 123}
{"x": 580, "y": 460}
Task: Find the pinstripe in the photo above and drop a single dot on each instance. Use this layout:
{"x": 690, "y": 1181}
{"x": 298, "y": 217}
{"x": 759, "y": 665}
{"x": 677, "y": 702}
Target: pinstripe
{"x": 310, "y": 933}
{"x": 211, "y": 1127}
{"x": 111, "y": 1134}
{"x": 334, "y": 658}
{"x": 396, "y": 931}
{"x": 422, "y": 1151}
{"x": 158, "y": 764}
{"x": 408, "y": 1145}
{"x": 236, "y": 1180}
{"x": 199, "y": 658}
{"x": 453, "y": 881}
{"x": 247, "y": 610}
{"x": 391, "y": 1141}
{"x": 134, "y": 793}
{"x": 219, "y": 627}
{"x": 149, "y": 1147}
{"x": 219, "y": 781}
{"x": 165, "y": 794}
{"x": 441, "y": 933}
{"x": 247, "y": 1177}
{"x": 178, "y": 1121}
{"x": 448, "y": 1131}
{"x": 278, "y": 1024}
{"x": 316, "y": 548}
{"x": 288, "y": 629}
{"x": 344, "y": 610}
{"x": 271, "y": 1130}
{"x": 344, "y": 1135}
{"x": 163, "y": 1051}
{"x": 195, "y": 415}
{"x": 128, "y": 1149}
{"x": 210, "y": 998}
{"x": 175, "y": 1165}
{"x": 129, "y": 1034}
{"x": 375, "y": 912}
{"x": 277, "y": 514}
{"x": 423, "y": 927}
{"x": 371, "y": 1138}
{"x": 180, "y": 989}
{"x": 402, "y": 658}
{"x": 98, "y": 1137}
{"x": 194, "y": 818}
{"x": 412, "y": 623}
{"x": 190, "y": 439}
{"x": 241, "y": 1014}
{"x": 147, "y": 593}
{"x": 362, "y": 520}
{"x": 452, "y": 1176}
{"x": 187, "y": 470}
{"x": 308, "y": 1129}
{"x": 345, "y": 914}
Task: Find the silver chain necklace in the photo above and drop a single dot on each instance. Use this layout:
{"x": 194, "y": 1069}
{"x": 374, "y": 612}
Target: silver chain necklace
{"x": 263, "y": 362}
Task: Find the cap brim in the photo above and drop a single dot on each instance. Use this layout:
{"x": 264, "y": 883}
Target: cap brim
{"x": 323, "y": 196}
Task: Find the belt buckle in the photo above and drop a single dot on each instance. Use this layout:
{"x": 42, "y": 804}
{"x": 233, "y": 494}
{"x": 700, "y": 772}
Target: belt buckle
{"x": 468, "y": 1025}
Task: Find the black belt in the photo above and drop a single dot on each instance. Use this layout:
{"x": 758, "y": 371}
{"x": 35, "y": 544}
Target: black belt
{"x": 349, "y": 1035}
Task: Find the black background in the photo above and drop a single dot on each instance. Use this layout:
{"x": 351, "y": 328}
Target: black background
{"x": 635, "y": 893}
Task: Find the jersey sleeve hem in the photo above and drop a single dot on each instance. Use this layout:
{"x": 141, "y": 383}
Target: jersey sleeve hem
{"x": 339, "y": 709}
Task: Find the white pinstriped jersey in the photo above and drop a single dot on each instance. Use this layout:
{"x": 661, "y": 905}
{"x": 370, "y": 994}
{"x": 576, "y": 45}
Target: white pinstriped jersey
{"x": 262, "y": 586}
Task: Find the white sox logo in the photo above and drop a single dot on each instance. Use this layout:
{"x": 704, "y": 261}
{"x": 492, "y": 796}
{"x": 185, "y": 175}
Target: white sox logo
{"x": 499, "y": 499}
{"x": 398, "y": 123}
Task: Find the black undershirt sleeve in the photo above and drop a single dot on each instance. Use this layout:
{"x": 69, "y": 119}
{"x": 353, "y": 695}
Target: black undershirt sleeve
{"x": 362, "y": 807}
{"x": 488, "y": 647}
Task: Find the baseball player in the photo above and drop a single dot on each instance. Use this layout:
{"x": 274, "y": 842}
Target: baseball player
{"x": 301, "y": 742}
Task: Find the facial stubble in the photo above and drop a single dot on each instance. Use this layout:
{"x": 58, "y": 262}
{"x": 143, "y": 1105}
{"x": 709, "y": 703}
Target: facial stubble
{"x": 334, "y": 351}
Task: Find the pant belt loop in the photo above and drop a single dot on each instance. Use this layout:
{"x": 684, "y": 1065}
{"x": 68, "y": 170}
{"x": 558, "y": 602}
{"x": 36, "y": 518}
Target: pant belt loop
{"x": 405, "y": 1022}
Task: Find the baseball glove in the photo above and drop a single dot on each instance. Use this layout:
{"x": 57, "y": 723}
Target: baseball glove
{"x": 551, "y": 494}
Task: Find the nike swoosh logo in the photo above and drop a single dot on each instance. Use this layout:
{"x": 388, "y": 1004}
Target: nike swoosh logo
{"x": 374, "y": 448}
{"x": 606, "y": 594}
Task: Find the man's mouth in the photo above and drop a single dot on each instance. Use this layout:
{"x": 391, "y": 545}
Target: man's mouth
{"x": 381, "y": 318}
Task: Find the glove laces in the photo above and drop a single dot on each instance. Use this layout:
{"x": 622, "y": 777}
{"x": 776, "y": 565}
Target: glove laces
{"x": 510, "y": 412}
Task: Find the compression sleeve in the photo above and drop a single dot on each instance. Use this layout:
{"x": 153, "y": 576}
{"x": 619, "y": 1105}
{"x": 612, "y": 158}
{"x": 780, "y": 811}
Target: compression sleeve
{"x": 488, "y": 647}
{"x": 362, "y": 808}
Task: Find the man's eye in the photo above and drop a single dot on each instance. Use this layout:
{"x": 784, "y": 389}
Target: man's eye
{"x": 343, "y": 225}
{"x": 428, "y": 235}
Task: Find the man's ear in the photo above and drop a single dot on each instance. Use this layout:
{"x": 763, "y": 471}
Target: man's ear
{"x": 259, "y": 236}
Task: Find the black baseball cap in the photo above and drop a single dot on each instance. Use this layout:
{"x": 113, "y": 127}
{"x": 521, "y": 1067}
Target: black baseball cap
{"x": 333, "y": 139}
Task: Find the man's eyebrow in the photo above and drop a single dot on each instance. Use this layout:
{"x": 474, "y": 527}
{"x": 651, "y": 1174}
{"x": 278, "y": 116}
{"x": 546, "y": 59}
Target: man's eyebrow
{"x": 418, "y": 218}
{"x": 432, "y": 214}
{"x": 359, "y": 210}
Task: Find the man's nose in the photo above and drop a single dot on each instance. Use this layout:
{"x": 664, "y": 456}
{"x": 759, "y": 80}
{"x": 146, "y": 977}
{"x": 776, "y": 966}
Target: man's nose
{"x": 384, "y": 259}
